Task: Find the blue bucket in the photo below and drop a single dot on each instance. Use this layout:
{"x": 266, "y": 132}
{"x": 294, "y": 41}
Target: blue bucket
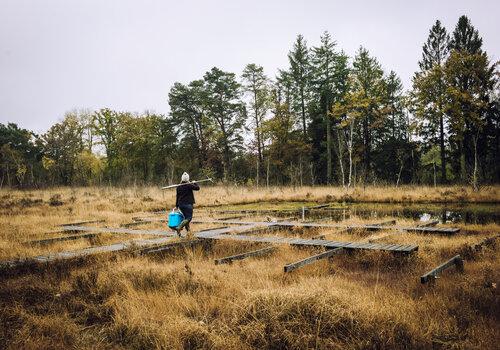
{"x": 174, "y": 219}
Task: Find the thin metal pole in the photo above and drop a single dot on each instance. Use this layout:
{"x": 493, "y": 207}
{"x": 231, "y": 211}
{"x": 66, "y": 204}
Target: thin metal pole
{"x": 182, "y": 184}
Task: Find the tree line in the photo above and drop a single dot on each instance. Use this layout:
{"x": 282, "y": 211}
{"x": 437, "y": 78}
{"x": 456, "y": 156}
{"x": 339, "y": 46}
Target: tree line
{"x": 327, "y": 118}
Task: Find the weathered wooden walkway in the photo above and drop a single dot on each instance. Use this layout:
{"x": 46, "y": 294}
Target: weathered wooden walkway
{"x": 120, "y": 230}
{"x": 82, "y": 222}
{"x": 418, "y": 229}
{"x": 408, "y": 248}
{"x": 237, "y": 234}
{"x": 79, "y": 253}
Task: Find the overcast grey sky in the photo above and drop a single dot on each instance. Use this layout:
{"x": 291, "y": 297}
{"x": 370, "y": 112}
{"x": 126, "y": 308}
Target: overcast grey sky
{"x": 57, "y": 55}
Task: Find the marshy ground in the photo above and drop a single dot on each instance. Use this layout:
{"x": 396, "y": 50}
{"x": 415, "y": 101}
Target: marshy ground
{"x": 356, "y": 300}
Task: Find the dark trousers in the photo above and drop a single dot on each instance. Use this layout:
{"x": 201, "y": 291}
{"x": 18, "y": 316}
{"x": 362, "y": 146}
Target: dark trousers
{"x": 187, "y": 211}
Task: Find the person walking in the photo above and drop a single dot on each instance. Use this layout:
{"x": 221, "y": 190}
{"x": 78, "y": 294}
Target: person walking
{"x": 184, "y": 201}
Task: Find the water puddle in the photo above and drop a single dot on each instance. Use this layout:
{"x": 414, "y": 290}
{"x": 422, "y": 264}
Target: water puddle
{"x": 469, "y": 214}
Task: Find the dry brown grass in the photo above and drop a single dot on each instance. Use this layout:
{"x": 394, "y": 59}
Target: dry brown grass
{"x": 361, "y": 300}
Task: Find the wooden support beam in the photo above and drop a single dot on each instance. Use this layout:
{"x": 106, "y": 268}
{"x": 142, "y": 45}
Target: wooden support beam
{"x": 430, "y": 276}
{"x": 258, "y": 252}
{"x": 319, "y": 206}
{"x": 301, "y": 263}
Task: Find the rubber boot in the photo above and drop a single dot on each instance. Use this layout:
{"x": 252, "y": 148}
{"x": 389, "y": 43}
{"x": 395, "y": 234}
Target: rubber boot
{"x": 189, "y": 234}
{"x": 181, "y": 225}
{"x": 178, "y": 231}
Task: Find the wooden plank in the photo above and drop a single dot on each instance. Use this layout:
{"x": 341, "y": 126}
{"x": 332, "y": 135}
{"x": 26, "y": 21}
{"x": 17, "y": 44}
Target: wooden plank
{"x": 134, "y": 223}
{"x": 388, "y": 246}
{"x": 172, "y": 246}
{"x": 83, "y": 222}
{"x": 307, "y": 261}
{"x": 430, "y": 276}
{"x": 402, "y": 247}
{"x": 318, "y": 206}
{"x": 233, "y": 217}
{"x": 428, "y": 223}
{"x": 368, "y": 246}
{"x": 60, "y": 239}
{"x": 119, "y": 230}
{"x": 258, "y": 252}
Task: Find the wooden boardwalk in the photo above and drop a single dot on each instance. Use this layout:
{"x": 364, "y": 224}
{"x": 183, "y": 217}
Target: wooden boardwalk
{"x": 79, "y": 253}
{"x": 310, "y": 242}
{"x": 235, "y": 233}
{"x": 417, "y": 229}
{"x": 121, "y": 230}
{"x": 60, "y": 239}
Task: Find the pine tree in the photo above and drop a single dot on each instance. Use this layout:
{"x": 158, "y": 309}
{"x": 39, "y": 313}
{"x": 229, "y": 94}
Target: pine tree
{"x": 368, "y": 87}
{"x": 396, "y": 123}
{"x": 329, "y": 78}
{"x": 430, "y": 89}
{"x": 435, "y": 50}
{"x": 466, "y": 38}
{"x": 300, "y": 71}
{"x": 471, "y": 80}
